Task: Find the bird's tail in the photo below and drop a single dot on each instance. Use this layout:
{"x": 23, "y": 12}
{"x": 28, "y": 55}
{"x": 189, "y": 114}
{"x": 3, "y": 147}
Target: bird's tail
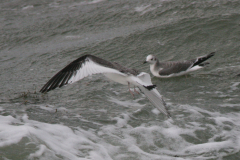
{"x": 150, "y": 87}
{"x": 199, "y": 60}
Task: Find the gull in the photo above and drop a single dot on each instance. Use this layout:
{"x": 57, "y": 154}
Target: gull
{"x": 89, "y": 64}
{"x": 175, "y": 68}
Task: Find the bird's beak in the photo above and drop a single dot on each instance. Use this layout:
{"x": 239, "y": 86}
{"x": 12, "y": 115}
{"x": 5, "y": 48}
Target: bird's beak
{"x": 144, "y": 62}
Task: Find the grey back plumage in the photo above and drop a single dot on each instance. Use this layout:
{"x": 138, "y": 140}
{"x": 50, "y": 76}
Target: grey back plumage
{"x": 168, "y": 68}
{"x": 171, "y": 67}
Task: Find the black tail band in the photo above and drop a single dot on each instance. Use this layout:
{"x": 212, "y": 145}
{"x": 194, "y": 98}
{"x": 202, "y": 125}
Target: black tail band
{"x": 150, "y": 87}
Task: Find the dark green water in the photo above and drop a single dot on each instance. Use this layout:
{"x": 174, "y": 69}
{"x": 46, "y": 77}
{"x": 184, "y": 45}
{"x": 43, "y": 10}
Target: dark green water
{"x": 97, "y": 119}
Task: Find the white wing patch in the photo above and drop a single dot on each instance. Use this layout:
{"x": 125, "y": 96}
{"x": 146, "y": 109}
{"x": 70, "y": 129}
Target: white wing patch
{"x": 145, "y": 78}
{"x": 79, "y": 69}
{"x": 88, "y": 68}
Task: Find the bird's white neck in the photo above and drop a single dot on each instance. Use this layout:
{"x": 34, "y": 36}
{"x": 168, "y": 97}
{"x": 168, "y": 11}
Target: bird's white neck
{"x": 153, "y": 70}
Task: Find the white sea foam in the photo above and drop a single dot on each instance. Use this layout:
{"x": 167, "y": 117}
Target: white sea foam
{"x": 127, "y": 103}
{"x": 144, "y": 8}
{"x": 234, "y": 86}
{"x": 54, "y": 139}
{"x": 150, "y": 140}
{"x": 155, "y": 111}
{"x": 54, "y": 5}
{"x": 27, "y": 7}
{"x": 208, "y": 147}
{"x": 85, "y": 3}
{"x": 94, "y": 1}
{"x": 38, "y": 153}
{"x": 229, "y": 105}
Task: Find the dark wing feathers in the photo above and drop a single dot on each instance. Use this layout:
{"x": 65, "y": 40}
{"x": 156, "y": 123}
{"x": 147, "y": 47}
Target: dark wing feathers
{"x": 75, "y": 69}
{"x": 102, "y": 62}
{"x": 62, "y": 77}
{"x": 199, "y": 60}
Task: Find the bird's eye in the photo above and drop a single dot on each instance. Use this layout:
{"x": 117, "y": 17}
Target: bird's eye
{"x": 151, "y": 59}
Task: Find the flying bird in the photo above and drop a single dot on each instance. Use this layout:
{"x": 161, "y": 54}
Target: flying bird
{"x": 88, "y": 65}
{"x": 175, "y": 68}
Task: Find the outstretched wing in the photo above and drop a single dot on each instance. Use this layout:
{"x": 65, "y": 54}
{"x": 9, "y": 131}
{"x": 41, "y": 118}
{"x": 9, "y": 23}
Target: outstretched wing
{"x": 146, "y": 86}
{"x": 78, "y": 69}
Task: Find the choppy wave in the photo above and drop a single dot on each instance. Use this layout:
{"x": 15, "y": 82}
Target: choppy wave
{"x": 96, "y": 119}
{"x": 200, "y": 135}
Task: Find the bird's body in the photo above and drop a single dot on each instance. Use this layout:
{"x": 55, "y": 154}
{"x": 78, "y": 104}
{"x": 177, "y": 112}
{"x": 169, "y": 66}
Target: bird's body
{"x": 88, "y": 65}
{"x": 175, "y": 68}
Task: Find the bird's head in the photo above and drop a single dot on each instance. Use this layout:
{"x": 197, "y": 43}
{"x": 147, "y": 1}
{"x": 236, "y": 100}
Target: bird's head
{"x": 150, "y": 59}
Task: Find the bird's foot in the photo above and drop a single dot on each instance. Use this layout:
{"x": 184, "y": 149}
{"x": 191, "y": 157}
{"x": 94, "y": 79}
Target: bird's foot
{"x": 131, "y": 92}
{"x": 136, "y": 91}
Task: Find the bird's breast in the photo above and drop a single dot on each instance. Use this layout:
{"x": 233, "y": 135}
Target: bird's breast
{"x": 154, "y": 71}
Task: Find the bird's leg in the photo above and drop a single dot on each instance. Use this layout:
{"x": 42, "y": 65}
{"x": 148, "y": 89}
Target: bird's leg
{"x": 130, "y": 90}
{"x": 136, "y": 90}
